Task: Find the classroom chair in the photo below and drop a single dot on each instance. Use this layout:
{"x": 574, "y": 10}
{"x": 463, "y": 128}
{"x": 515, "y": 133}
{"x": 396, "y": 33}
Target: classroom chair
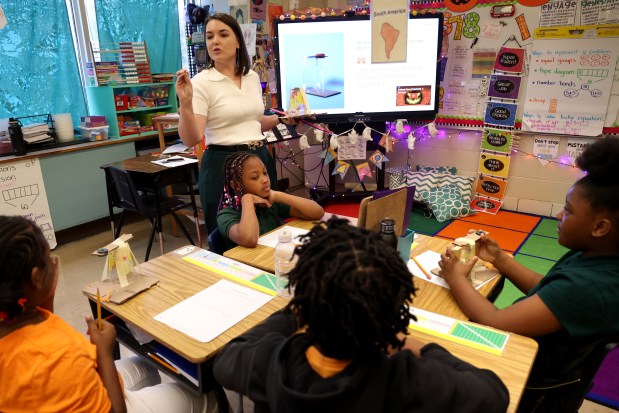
{"x": 216, "y": 242}
{"x": 150, "y": 204}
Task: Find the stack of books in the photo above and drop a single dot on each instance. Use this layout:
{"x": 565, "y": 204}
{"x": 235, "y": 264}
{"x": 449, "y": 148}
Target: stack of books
{"x": 37, "y": 133}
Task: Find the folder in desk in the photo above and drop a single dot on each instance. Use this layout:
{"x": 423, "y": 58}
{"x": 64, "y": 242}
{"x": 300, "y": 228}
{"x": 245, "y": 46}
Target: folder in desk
{"x": 393, "y": 206}
{"x": 184, "y": 366}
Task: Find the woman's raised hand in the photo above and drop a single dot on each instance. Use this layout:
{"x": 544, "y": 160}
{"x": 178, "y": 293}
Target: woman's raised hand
{"x": 184, "y": 89}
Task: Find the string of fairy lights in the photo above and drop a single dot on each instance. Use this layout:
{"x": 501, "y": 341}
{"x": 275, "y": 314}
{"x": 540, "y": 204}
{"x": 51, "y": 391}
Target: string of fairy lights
{"x": 404, "y": 133}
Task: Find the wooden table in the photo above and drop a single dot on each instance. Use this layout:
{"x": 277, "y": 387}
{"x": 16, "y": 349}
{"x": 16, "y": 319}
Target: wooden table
{"x": 430, "y": 297}
{"x": 512, "y": 366}
{"x": 180, "y": 279}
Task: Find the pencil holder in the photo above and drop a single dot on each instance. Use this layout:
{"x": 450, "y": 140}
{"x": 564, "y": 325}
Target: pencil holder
{"x": 405, "y": 243}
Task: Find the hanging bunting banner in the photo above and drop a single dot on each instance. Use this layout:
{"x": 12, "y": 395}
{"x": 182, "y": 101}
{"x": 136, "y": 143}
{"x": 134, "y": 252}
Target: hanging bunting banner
{"x": 487, "y": 205}
{"x": 496, "y": 165}
{"x": 575, "y": 146}
{"x": 491, "y": 186}
{"x": 341, "y": 168}
{"x": 545, "y": 149}
{"x": 510, "y": 60}
{"x": 378, "y": 158}
{"x": 363, "y": 170}
{"x": 386, "y": 142}
{"x": 328, "y": 154}
{"x": 497, "y": 140}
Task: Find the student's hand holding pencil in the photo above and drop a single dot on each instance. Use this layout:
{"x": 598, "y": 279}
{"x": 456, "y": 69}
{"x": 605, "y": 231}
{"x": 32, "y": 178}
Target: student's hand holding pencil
{"x": 104, "y": 338}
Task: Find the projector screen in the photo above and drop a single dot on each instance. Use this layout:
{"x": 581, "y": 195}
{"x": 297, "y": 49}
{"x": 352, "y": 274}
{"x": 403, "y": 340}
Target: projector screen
{"x": 331, "y": 59}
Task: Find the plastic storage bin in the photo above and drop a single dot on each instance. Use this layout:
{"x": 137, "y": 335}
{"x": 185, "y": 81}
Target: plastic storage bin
{"x": 97, "y": 133}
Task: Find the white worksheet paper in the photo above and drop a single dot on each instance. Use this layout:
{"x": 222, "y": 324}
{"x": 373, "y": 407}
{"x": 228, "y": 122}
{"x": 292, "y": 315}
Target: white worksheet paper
{"x": 270, "y": 239}
{"x": 207, "y": 314}
{"x": 174, "y": 161}
{"x": 429, "y": 260}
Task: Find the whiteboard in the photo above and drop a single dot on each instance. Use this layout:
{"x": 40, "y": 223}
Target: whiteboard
{"x": 23, "y": 193}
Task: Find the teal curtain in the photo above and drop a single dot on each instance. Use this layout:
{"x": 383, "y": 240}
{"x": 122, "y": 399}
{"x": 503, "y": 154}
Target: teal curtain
{"x": 155, "y": 22}
{"x": 38, "y": 67}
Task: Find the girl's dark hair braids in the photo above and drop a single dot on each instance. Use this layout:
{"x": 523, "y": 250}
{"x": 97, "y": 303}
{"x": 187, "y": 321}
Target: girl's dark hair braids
{"x": 233, "y": 172}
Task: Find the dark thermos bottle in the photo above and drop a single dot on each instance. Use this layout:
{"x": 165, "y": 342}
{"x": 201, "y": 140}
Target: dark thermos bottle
{"x": 17, "y": 137}
{"x": 387, "y": 232}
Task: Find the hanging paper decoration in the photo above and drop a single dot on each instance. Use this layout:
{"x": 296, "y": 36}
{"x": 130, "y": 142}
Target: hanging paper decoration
{"x": 432, "y": 129}
{"x": 510, "y": 60}
{"x": 353, "y": 136}
{"x": 341, "y": 168}
{"x": 496, "y": 165}
{"x": 575, "y": 146}
{"x": 378, "y": 158}
{"x": 328, "y": 154}
{"x": 318, "y": 134}
{"x": 485, "y": 204}
{"x": 459, "y": 6}
{"x": 500, "y": 114}
{"x": 334, "y": 143}
{"x": 545, "y": 149}
{"x": 303, "y": 143}
{"x": 399, "y": 126}
{"x": 491, "y": 186}
{"x": 386, "y": 142}
{"x": 363, "y": 170}
{"x": 498, "y": 140}
{"x": 410, "y": 141}
{"x": 367, "y": 134}
{"x": 350, "y": 150}
{"x": 504, "y": 87}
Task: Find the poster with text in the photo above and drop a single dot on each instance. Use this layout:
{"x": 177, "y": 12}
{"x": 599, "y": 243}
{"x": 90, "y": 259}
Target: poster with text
{"x": 497, "y": 140}
{"x": 496, "y": 165}
{"x": 23, "y": 193}
{"x": 569, "y": 85}
{"x": 575, "y": 146}
{"x": 500, "y": 114}
{"x": 487, "y": 205}
{"x": 545, "y": 149}
{"x": 491, "y": 186}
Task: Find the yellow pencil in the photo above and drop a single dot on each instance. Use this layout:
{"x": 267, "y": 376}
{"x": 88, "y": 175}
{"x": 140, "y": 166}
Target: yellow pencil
{"x": 99, "y": 322}
{"x": 423, "y": 270}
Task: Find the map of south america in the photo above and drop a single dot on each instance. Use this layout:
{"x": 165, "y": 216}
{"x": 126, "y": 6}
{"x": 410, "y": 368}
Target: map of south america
{"x": 390, "y": 36}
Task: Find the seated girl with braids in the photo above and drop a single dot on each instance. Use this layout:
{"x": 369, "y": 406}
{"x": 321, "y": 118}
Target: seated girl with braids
{"x": 250, "y": 208}
{"x": 341, "y": 346}
{"x": 46, "y": 365}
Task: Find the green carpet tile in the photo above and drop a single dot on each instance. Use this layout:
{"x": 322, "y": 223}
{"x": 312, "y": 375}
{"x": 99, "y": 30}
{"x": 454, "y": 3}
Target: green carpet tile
{"x": 547, "y": 227}
{"x": 422, "y": 225}
{"x": 543, "y": 247}
{"x": 510, "y": 293}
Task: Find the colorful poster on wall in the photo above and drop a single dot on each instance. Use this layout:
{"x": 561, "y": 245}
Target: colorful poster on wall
{"x": 599, "y": 12}
{"x": 510, "y": 60}
{"x": 500, "y": 114}
{"x": 504, "y": 87}
{"x": 491, "y": 186}
{"x": 570, "y": 80}
{"x": 485, "y": 204}
{"x": 558, "y": 13}
{"x": 575, "y": 146}
{"x": 258, "y": 9}
{"x": 545, "y": 149}
{"x": 275, "y": 10}
{"x": 497, "y": 140}
{"x": 496, "y": 165}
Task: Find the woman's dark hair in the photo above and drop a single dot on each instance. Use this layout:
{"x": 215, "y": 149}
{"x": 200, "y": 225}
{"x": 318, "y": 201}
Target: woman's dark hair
{"x": 22, "y": 248}
{"x": 233, "y": 172}
{"x": 600, "y": 162}
{"x": 243, "y": 61}
{"x": 351, "y": 290}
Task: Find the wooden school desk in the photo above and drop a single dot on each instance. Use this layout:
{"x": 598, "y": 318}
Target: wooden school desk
{"x": 178, "y": 280}
{"x": 430, "y": 297}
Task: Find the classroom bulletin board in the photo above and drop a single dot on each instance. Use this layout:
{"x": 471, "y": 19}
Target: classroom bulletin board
{"x": 487, "y": 55}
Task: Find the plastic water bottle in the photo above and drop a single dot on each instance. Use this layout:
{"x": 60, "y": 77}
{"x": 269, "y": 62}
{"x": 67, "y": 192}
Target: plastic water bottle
{"x": 387, "y": 232}
{"x": 284, "y": 262}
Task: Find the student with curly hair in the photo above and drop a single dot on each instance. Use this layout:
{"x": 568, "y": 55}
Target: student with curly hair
{"x": 341, "y": 345}
{"x": 249, "y": 207}
{"x": 576, "y": 305}
{"x": 47, "y": 366}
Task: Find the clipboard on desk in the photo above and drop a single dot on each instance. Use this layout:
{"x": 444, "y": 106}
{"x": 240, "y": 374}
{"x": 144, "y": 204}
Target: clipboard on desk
{"x": 372, "y": 211}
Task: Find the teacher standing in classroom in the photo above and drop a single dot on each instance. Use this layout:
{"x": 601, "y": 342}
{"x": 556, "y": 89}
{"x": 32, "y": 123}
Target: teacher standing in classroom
{"x": 223, "y": 103}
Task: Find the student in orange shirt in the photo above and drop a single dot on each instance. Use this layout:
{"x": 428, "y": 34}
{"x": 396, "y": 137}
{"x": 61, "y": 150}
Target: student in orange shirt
{"x": 45, "y": 365}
